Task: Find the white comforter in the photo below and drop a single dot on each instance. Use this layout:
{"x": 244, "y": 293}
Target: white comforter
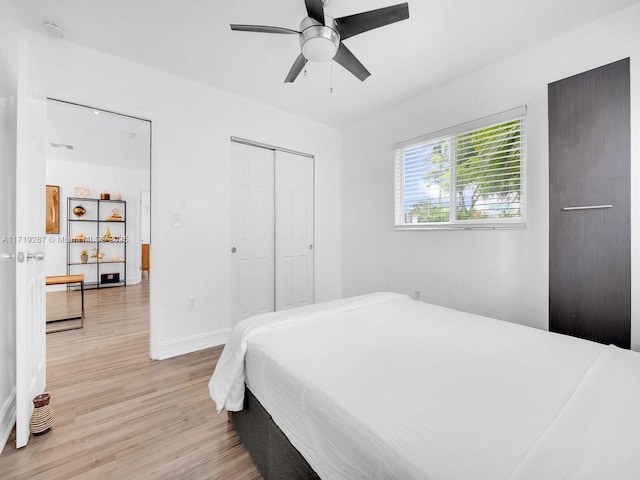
{"x": 227, "y": 383}
{"x": 384, "y": 387}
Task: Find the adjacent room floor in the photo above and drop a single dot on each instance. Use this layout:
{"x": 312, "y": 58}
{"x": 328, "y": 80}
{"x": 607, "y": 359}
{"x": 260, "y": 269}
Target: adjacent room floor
{"x": 120, "y": 415}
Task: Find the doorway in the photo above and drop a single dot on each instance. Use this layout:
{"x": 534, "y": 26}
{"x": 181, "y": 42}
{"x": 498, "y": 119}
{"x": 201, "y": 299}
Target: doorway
{"x": 99, "y": 163}
{"x": 272, "y": 229}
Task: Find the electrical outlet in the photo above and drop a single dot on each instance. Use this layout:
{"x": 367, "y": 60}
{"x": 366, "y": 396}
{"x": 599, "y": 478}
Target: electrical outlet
{"x": 191, "y": 301}
{"x": 416, "y": 294}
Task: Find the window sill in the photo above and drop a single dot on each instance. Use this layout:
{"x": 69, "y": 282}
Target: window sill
{"x": 448, "y": 226}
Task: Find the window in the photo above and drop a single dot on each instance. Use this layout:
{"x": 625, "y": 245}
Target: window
{"x": 469, "y": 176}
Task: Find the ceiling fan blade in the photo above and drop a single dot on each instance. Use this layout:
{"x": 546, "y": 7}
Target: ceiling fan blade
{"x": 263, "y": 29}
{"x": 363, "y": 22}
{"x": 315, "y": 10}
{"x": 348, "y": 60}
{"x": 297, "y": 67}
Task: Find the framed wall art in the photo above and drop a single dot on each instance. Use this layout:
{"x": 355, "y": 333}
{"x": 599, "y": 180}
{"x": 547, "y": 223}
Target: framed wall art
{"x": 53, "y": 209}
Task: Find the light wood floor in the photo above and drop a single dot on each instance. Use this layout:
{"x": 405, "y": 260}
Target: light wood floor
{"x": 119, "y": 415}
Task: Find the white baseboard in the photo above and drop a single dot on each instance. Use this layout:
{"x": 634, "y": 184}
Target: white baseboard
{"x": 7, "y": 418}
{"x": 180, "y": 346}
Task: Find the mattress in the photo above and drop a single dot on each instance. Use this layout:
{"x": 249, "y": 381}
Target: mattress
{"x": 383, "y": 387}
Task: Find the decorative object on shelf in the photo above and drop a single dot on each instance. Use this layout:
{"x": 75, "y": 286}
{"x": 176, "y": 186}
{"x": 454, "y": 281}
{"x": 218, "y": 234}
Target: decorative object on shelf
{"x": 79, "y": 237}
{"x": 53, "y": 209}
{"x": 84, "y": 256}
{"x": 42, "y": 417}
{"x": 105, "y": 196}
{"x": 107, "y": 237}
{"x": 81, "y": 192}
{"x": 79, "y": 211}
{"x": 117, "y": 258}
{"x": 109, "y": 277}
{"x": 117, "y": 196}
{"x": 97, "y": 255}
{"x": 115, "y": 216}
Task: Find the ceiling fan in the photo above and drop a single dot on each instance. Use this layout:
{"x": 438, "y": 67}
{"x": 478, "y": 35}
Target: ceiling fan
{"x": 321, "y": 35}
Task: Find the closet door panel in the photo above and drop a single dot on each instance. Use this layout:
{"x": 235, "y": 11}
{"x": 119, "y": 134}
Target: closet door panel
{"x": 589, "y": 166}
{"x": 294, "y": 262}
{"x": 252, "y": 231}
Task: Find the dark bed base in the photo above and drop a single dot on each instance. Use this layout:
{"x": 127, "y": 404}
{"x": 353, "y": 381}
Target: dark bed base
{"x": 269, "y": 448}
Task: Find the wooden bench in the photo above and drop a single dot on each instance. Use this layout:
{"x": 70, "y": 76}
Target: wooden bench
{"x": 65, "y": 280}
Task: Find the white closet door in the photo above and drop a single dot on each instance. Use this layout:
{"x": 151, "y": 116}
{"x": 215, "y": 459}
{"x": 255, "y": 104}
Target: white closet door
{"x": 252, "y": 231}
{"x": 294, "y": 230}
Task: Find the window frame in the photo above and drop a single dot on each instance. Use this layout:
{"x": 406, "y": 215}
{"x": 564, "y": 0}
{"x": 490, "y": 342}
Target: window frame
{"x": 519, "y": 113}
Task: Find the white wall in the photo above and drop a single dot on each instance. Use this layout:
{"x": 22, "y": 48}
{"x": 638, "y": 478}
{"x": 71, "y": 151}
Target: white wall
{"x": 97, "y": 178}
{"x": 501, "y": 274}
{"x": 190, "y": 173}
{"x": 8, "y": 138}
{"x": 145, "y": 217}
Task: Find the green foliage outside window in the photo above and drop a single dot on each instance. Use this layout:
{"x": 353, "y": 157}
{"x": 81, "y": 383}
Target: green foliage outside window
{"x": 487, "y": 175}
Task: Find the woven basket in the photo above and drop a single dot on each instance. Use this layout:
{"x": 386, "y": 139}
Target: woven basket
{"x": 42, "y": 418}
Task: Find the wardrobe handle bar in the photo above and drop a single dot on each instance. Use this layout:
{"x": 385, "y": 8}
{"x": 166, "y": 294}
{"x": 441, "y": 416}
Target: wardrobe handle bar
{"x": 587, "y": 207}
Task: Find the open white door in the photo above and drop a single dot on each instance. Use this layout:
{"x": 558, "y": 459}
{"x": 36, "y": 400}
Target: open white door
{"x": 30, "y": 235}
{"x": 8, "y": 139}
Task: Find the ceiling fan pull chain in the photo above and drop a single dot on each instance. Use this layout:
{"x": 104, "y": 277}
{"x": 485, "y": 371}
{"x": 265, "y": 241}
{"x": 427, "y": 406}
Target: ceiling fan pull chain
{"x": 331, "y": 76}
{"x": 305, "y": 67}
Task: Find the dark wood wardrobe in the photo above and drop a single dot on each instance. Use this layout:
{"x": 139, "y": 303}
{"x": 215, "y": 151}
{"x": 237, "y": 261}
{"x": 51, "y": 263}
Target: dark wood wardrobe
{"x": 589, "y": 205}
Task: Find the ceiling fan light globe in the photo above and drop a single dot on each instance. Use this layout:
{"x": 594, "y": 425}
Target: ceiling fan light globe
{"x": 319, "y": 49}
{"x": 319, "y": 43}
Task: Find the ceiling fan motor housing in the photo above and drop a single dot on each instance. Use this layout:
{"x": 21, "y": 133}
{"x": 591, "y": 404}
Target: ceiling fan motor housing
{"x": 319, "y": 43}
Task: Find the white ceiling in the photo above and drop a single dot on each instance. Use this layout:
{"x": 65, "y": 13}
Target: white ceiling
{"x": 100, "y": 138}
{"x": 442, "y": 40}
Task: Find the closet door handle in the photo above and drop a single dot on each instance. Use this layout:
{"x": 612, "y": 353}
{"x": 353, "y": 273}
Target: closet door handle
{"x": 587, "y": 207}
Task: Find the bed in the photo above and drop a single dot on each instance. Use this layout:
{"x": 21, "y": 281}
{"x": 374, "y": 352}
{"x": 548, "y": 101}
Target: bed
{"x": 383, "y": 387}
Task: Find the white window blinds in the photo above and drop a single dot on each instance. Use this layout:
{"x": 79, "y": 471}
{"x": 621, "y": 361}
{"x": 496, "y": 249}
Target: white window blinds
{"x": 472, "y": 175}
